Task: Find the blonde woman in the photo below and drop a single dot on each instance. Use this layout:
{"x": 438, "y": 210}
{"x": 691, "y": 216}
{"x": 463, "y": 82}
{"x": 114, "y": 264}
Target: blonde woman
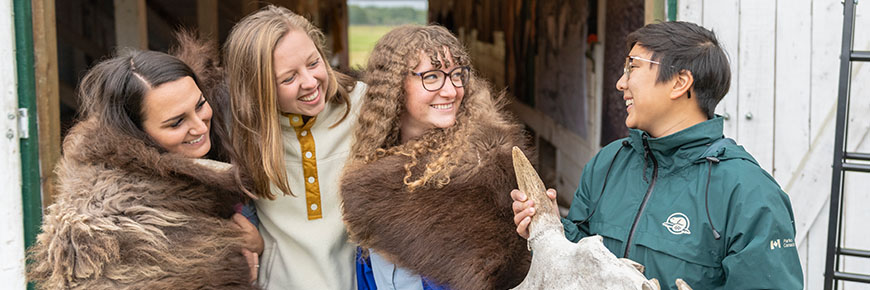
{"x": 292, "y": 114}
{"x": 431, "y": 164}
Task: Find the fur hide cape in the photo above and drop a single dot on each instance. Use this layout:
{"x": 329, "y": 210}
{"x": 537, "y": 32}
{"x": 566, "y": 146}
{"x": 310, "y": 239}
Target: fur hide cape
{"x": 461, "y": 235}
{"x": 127, "y": 216}
{"x": 130, "y": 217}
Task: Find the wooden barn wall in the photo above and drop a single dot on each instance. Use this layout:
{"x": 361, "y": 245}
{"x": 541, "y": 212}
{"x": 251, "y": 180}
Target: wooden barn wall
{"x": 624, "y": 18}
{"x": 537, "y": 51}
{"x": 560, "y": 77}
{"x": 782, "y": 107}
{"x": 328, "y": 15}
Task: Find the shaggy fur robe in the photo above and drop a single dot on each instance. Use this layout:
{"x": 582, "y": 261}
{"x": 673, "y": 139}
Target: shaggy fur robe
{"x": 130, "y": 217}
{"x": 461, "y": 235}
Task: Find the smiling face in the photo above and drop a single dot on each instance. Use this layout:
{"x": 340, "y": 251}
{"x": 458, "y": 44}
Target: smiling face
{"x": 300, "y": 75}
{"x": 178, "y": 118}
{"x": 646, "y": 101}
{"x": 424, "y": 109}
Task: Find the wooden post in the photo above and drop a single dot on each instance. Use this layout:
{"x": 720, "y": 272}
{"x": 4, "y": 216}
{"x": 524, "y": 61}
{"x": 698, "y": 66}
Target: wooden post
{"x": 207, "y": 18}
{"x": 341, "y": 46}
{"x": 131, "y": 33}
{"x": 47, "y": 94}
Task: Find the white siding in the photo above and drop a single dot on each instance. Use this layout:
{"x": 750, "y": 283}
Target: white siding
{"x": 728, "y": 31}
{"x": 784, "y": 61}
{"x": 12, "y": 235}
{"x": 756, "y": 48}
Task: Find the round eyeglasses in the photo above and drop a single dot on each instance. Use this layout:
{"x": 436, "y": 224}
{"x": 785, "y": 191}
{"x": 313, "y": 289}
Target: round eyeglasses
{"x": 434, "y": 80}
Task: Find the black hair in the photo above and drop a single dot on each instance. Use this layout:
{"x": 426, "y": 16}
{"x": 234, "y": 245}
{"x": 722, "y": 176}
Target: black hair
{"x": 678, "y": 46}
{"x": 113, "y": 92}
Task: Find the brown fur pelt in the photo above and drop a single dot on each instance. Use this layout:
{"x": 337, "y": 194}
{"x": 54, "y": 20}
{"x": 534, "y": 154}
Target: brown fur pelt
{"x": 202, "y": 56}
{"x": 129, "y": 217}
{"x": 460, "y": 234}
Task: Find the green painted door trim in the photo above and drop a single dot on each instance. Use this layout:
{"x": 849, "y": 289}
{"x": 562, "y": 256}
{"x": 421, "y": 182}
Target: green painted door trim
{"x": 672, "y": 10}
{"x": 31, "y": 191}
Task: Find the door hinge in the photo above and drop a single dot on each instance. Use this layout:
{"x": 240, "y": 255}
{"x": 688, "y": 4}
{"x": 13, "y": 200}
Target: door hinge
{"x": 23, "y": 124}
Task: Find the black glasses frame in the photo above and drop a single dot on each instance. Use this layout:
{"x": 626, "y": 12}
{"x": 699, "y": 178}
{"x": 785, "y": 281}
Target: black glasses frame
{"x": 444, "y": 76}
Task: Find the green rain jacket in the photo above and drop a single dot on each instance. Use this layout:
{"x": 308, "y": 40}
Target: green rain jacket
{"x": 655, "y": 200}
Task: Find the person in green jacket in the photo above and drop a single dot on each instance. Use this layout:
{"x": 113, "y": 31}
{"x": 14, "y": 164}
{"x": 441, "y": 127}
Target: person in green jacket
{"x": 676, "y": 196}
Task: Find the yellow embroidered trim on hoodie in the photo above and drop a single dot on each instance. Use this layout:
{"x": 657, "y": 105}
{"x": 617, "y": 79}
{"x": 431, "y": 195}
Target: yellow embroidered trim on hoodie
{"x": 309, "y": 164}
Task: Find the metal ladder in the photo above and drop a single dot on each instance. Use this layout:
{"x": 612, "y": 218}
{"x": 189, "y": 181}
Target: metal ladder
{"x": 844, "y": 161}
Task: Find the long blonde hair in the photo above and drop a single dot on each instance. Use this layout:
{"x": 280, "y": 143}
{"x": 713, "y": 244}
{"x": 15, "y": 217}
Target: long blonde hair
{"x": 256, "y": 131}
{"x": 377, "y": 134}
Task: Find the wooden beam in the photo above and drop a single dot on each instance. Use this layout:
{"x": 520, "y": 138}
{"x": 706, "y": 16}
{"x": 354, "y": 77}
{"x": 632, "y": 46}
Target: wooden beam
{"x": 47, "y": 94}
{"x": 131, "y": 24}
{"x": 207, "y": 18}
{"x": 339, "y": 18}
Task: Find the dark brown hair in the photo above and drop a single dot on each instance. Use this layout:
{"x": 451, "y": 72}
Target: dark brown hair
{"x": 112, "y": 92}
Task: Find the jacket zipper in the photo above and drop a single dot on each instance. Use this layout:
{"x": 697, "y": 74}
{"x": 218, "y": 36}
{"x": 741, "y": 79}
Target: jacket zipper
{"x": 652, "y": 184}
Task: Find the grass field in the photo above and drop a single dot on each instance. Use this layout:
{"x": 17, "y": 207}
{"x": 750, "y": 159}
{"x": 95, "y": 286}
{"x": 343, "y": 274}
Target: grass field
{"x": 362, "y": 39}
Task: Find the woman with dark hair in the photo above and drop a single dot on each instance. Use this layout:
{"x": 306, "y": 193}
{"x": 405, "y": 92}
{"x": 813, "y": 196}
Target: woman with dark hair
{"x": 425, "y": 187}
{"x": 144, "y": 198}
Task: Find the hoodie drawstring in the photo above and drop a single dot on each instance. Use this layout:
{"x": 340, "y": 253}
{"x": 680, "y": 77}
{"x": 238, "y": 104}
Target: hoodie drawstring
{"x": 710, "y": 161}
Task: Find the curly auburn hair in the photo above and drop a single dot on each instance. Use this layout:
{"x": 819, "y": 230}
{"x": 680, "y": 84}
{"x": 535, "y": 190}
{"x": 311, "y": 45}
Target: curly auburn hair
{"x": 378, "y": 132}
{"x": 248, "y": 56}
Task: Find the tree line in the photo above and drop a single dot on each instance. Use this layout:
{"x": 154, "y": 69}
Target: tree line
{"x": 368, "y": 15}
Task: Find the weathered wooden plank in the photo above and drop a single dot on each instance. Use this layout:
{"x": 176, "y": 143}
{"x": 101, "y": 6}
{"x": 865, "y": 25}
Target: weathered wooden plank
{"x": 47, "y": 94}
{"x": 722, "y": 16}
{"x": 816, "y": 244}
{"x": 131, "y": 24}
{"x": 859, "y": 103}
{"x": 810, "y": 189}
{"x": 691, "y": 11}
{"x": 572, "y": 151}
{"x": 12, "y": 238}
{"x": 855, "y": 216}
{"x": 825, "y": 60}
{"x": 757, "y": 85}
{"x": 597, "y": 83}
{"x": 792, "y": 94}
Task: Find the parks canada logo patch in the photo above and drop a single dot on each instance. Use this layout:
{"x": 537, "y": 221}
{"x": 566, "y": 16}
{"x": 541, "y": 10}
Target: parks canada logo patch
{"x": 677, "y": 223}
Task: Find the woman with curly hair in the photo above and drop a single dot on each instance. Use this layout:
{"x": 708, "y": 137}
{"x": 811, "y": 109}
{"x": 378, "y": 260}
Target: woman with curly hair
{"x": 144, "y": 201}
{"x": 430, "y": 165}
{"x": 292, "y": 115}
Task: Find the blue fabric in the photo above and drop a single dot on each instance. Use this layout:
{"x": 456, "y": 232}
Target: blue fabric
{"x": 250, "y": 212}
{"x": 429, "y": 285}
{"x": 365, "y": 277}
